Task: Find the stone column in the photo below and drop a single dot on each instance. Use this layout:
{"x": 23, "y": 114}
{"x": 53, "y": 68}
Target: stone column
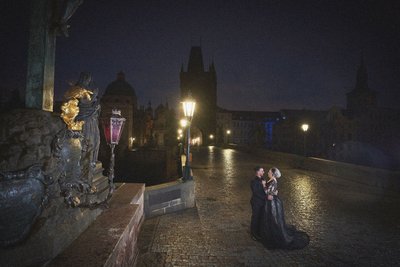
{"x": 41, "y": 56}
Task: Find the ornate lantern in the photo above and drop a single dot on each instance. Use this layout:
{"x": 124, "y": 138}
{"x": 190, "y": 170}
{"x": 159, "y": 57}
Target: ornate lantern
{"x": 112, "y": 131}
{"x": 113, "y": 127}
{"x": 188, "y": 108}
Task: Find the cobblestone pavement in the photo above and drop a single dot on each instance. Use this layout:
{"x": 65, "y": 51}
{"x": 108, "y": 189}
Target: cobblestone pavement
{"x": 349, "y": 224}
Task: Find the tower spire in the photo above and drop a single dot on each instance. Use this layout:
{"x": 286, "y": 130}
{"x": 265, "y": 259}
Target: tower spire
{"x": 195, "y": 60}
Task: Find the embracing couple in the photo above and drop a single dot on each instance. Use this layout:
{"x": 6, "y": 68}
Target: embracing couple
{"x": 268, "y": 219}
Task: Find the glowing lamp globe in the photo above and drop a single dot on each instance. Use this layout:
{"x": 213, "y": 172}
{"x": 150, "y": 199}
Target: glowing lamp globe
{"x": 188, "y": 108}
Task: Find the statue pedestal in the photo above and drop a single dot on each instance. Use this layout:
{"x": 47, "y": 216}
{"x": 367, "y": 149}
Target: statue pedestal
{"x": 51, "y": 236}
{"x": 100, "y": 181}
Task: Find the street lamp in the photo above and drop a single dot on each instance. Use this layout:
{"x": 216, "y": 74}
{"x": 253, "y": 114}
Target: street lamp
{"x": 188, "y": 109}
{"x": 228, "y": 132}
{"x": 131, "y": 141}
{"x": 183, "y": 123}
{"x": 304, "y": 127}
{"x": 112, "y": 131}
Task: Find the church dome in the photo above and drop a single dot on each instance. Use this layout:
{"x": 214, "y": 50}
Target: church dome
{"x": 120, "y": 87}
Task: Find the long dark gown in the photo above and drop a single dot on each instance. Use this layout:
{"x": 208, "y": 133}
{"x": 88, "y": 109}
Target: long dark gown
{"x": 275, "y": 233}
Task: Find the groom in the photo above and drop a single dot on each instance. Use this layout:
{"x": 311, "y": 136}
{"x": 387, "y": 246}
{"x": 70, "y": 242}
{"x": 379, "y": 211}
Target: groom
{"x": 257, "y": 202}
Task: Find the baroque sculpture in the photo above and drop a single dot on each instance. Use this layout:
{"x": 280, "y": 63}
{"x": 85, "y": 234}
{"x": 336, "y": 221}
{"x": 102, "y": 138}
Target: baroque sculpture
{"x": 77, "y": 147}
{"x": 67, "y": 10}
{"x": 67, "y": 169}
{"x": 70, "y": 108}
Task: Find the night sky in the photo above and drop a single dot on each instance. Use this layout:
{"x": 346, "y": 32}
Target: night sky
{"x": 269, "y": 55}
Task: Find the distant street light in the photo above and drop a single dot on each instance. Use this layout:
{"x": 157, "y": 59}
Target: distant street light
{"x": 112, "y": 131}
{"x": 188, "y": 108}
{"x": 180, "y": 134}
{"x": 131, "y": 141}
{"x": 304, "y": 127}
{"x": 183, "y": 123}
{"x": 228, "y": 133}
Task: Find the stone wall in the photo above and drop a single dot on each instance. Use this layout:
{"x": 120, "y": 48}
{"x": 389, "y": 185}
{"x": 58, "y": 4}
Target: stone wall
{"x": 169, "y": 197}
{"x": 26, "y": 136}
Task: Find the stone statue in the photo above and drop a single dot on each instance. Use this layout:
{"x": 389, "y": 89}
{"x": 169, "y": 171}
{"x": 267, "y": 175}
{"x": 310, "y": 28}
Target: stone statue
{"x": 89, "y": 111}
{"x": 78, "y": 146}
{"x": 68, "y": 9}
{"x": 70, "y": 108}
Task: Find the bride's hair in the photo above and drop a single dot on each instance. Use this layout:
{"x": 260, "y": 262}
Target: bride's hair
{"x": 275, "y": 172}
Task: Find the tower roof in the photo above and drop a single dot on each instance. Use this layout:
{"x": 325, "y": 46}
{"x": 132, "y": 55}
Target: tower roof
{"x": 195, "y": 60}
{"x": 120, "y": 87}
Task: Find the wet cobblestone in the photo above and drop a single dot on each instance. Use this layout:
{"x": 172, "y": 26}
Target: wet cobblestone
{"x": 349, "y": 224}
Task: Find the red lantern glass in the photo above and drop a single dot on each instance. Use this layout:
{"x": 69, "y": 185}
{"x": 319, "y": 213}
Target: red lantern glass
{"x": 113, "y": 127}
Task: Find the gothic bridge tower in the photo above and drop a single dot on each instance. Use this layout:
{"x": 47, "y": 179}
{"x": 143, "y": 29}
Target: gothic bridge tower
{"x": 203, "y": 87}
{"x": 361, "y": 98}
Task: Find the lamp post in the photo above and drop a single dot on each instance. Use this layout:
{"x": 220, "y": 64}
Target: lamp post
{"x": 304, "y": 127}
{"x": 188, "y": 109}
{"x": 112, "y": 131}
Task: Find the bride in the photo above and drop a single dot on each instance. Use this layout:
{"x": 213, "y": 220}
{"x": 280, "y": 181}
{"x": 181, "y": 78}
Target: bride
{"x": 275, "y": 233}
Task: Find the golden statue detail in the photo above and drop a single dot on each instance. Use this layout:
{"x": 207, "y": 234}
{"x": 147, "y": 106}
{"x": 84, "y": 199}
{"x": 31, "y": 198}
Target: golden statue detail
{"x": 70, "y": 108}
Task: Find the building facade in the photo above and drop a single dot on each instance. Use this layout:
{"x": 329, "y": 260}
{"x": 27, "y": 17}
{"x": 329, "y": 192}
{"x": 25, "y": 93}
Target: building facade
{"x": 363, "y": 133}
{"x": 165, "y": 126}
{"x": 144, "y": 126}
{"x": 246, "y": 127}
{"x": 119, "y": 94}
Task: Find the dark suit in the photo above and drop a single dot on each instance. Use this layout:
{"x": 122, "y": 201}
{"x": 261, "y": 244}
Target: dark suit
{"x": 257, "y": 204}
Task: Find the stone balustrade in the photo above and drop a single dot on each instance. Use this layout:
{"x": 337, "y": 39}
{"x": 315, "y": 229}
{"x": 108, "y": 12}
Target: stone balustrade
{"x": 381, "y": 178}
{"x": 111, "y": 240}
